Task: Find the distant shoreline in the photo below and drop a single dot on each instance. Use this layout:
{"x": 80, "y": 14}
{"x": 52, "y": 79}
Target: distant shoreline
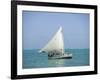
{"x": 65, "y": 49}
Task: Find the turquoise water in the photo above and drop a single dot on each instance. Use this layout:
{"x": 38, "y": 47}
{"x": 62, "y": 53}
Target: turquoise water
{"x": 33, "y": 59}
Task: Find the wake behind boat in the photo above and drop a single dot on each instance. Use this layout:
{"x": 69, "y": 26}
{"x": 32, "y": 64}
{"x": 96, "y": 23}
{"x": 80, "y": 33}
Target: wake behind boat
{"x": 55, "y": 47}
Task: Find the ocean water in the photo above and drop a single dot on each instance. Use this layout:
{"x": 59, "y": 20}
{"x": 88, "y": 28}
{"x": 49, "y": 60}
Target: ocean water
{"x": 33, "y": 59}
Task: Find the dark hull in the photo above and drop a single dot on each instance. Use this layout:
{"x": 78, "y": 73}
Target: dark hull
{"x": 68, "y": 57}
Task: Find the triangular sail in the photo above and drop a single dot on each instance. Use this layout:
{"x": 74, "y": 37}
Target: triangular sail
{"x": 55, "y": 44}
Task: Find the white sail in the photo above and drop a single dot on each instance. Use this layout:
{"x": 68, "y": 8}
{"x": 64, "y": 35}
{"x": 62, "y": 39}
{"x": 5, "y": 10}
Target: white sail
{"x": 56, "y": 43}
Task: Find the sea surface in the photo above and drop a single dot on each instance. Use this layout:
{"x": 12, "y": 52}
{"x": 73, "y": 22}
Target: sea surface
{"x": 34, "y": 59}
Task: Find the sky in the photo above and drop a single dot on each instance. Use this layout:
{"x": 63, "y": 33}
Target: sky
{"x": 39, "y": 27}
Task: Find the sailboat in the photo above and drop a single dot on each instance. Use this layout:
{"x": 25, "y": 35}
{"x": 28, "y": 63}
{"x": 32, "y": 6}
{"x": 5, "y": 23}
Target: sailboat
{"x": 55, "y": 47}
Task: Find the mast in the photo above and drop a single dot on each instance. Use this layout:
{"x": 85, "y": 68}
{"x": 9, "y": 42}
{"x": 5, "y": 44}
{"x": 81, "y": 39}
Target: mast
{"x": 56, "y": 43}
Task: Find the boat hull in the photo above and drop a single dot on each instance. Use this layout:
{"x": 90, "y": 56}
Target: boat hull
{"x": 64, "y": 56}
